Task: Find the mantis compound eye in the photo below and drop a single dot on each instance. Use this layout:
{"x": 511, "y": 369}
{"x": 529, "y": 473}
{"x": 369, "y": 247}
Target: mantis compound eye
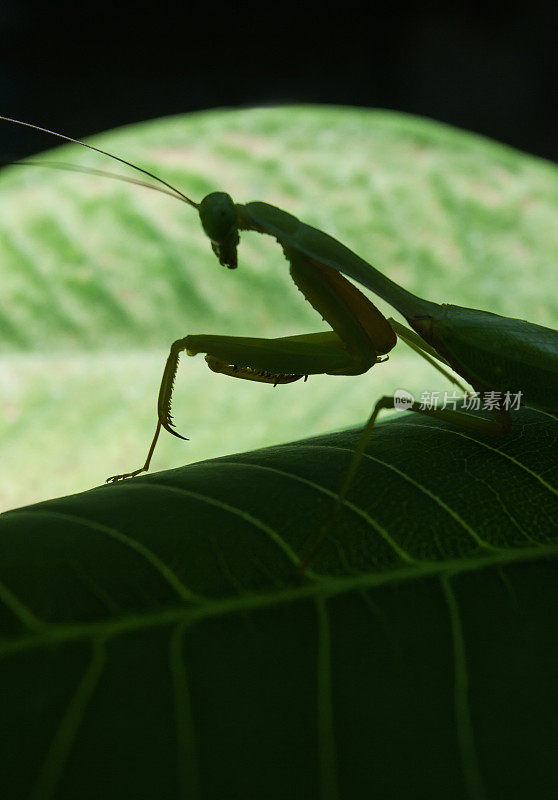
{"x": 219, "y": 221}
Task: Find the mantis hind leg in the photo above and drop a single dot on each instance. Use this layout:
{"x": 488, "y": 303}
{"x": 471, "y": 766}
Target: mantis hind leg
{"x": 500, "y": 424}
{"x": 424, "y": 350}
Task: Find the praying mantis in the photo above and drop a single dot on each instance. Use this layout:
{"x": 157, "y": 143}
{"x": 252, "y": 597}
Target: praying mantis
{"x": 490, "y": 352}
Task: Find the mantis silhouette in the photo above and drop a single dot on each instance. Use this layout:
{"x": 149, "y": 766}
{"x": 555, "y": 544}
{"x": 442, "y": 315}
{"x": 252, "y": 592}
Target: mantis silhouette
{"x": 492, "y": 353}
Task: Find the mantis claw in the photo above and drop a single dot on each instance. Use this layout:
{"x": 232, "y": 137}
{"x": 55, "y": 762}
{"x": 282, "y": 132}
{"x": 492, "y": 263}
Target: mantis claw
{"x": 167, "y": 385}
{"x": 124, "y": 476}
{"x": 168, "y": 426}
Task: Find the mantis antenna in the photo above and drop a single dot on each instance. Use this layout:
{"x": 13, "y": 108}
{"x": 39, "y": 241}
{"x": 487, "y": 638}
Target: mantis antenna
{"x": 91, "y": 171}
{"x": 180, "y": 194}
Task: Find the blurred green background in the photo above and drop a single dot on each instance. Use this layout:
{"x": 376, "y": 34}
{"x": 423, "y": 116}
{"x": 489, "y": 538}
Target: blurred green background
{"x": 99, "y": 277}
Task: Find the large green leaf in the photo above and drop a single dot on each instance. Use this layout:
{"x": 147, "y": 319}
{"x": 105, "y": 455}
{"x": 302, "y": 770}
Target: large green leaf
{"x": 98, "y": 278}
{"x": 158, "y": 644}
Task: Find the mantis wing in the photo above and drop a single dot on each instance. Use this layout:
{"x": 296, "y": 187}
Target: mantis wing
{"x": 501, "y": 353}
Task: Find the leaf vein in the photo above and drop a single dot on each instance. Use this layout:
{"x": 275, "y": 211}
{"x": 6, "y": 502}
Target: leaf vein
{"x": 165, "y": 571}
{"x": 492, "y": 449}
{"x": 474, "y": 535}
{"x": 65, "y": 736}
{"x": 19, "y": 609}
{"x": 329, "y": 781}
{"x": 326, "y": 587}
{"x": 465, "y": 733}
{"x": 403, "y": 554}
{"x": 185, "y": 736}
{"x": 249, "y": 518}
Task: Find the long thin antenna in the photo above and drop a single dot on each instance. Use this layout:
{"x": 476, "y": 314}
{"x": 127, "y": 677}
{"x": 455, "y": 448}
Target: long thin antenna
{"x": 104, "y": 153}
{"x": 62, "y": 165}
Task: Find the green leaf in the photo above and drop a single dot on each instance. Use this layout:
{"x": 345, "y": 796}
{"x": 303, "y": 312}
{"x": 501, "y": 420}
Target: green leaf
{"x": 158, "y": 644}
{"x": 98, "y": 277}
{"x": 155, "y": 638}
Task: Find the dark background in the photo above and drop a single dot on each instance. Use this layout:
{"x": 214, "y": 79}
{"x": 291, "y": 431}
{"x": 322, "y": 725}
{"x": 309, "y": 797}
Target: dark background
{"x": 84, "y": 69}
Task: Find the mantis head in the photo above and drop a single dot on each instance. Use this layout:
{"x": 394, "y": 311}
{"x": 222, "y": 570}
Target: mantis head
{"x": 220, "y": 222}
{"x": 217, "y": 210}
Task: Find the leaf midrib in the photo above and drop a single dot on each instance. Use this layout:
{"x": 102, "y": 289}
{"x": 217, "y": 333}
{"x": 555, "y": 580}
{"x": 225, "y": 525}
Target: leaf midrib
{"x": 324, "y": 588}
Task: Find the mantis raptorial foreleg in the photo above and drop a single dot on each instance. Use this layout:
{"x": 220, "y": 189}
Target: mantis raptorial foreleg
{"x": 145, "y": 467}
{"x": 361, "y": 335}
